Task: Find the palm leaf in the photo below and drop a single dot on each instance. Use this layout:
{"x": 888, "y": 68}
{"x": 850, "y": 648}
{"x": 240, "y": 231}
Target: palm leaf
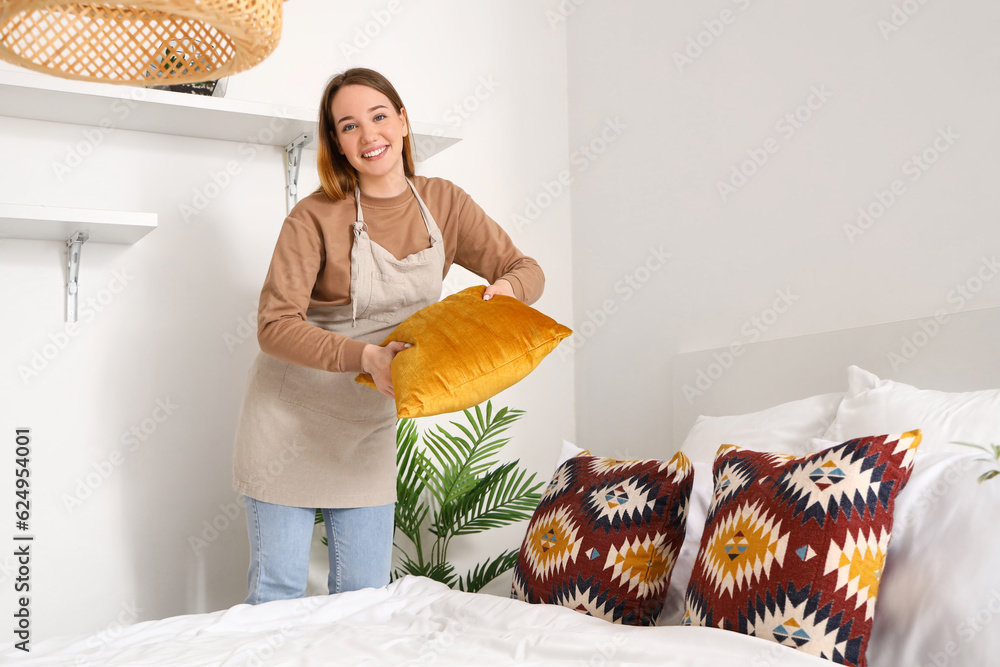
{"x": 411, "y": 510}
{"x": 475, "y": 580}
{"x": 443, "y": 572}
{"x": 462, "y": 462}
{"x": 457, "y": 477}
{"x": 443, "y": 467}
{"x": 503, "y": 496}
{"x": 993, "y": 450}
{"x": 969, "y": 444}
{"x": 453, "y": 485}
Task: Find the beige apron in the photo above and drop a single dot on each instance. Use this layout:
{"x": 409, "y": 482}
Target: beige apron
{"x": 315, "y": 438}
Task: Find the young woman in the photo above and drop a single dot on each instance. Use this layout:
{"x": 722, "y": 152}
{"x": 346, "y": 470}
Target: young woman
{"x": 354, "y": 259}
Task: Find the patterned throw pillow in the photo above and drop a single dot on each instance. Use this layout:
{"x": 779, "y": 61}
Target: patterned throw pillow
{"x": 793, "y": 548}
{"x": 605, "y": 536}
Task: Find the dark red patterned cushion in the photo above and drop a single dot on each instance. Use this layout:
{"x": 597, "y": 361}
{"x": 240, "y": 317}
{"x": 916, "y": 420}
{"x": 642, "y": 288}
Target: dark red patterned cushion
{"x": 605, "y": 536}
{"x": 793, "y": 548}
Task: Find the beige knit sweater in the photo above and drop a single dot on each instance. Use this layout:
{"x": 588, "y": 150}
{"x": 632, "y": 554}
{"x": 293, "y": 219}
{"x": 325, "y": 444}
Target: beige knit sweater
{"x": 311, "y": 265}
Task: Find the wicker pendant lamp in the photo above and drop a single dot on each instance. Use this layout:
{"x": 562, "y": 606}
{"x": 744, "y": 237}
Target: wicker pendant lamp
{"x": 155, "y": 42}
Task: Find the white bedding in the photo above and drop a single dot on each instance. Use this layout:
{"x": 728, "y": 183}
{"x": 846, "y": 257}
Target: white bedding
{"x": 413, "y": 621}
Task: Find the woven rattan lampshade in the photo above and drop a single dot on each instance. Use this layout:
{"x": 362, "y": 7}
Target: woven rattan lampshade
{"x": 142, "y": 43}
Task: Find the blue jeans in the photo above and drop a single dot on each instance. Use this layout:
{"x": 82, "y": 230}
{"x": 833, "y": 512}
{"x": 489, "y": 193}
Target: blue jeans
{"x": 360, "y": 548}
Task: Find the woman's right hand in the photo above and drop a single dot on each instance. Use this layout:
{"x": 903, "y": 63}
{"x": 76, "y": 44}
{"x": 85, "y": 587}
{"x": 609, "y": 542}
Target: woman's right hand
{"x": 377, "y": 361}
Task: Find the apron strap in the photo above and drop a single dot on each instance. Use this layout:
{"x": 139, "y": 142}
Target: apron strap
{"x": 360, "y": 229}
{"x": 362, "y": 244}
{"x": 432, "y": 229}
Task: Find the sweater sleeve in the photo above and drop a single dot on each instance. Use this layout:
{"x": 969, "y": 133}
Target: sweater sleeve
{"x": 282, "y": 329}
{"x": 485, "y": 249}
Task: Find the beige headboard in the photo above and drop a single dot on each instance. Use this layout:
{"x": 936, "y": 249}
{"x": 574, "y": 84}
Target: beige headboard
{"x": 960, "y": 352}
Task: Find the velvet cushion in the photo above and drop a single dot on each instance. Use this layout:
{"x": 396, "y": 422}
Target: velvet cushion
{"x": 604, "y": 537}
{"x": 793, "y": 548}
{"x": 465, "y": 351}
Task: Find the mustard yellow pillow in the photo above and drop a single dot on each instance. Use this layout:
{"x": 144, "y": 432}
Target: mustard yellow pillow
{"x": 466, "y": 350}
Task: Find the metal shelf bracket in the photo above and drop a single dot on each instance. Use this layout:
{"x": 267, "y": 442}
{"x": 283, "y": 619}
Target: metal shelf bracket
{"x": 293, "y": 156}
{"x": 74, "y": 245}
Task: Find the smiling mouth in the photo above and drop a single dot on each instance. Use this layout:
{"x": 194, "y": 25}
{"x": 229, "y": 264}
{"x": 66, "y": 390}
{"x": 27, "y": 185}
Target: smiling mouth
{"x": 375, "y": 153}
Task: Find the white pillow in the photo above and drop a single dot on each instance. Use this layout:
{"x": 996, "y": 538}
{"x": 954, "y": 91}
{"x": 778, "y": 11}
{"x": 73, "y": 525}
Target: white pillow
{"x": 701, "y": 496}
{"x": 784, "y": 428}
{"x": 568, "y": 451}
{"x": 872, "y": 406}
{"x": 939, "y": 596}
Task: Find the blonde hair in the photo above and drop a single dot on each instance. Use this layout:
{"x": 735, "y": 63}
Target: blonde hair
{"x": 336, "y": 175}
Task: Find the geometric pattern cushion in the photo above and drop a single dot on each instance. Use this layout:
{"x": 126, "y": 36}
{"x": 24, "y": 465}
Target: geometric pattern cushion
{"x": 604, "y": 537}
{"x": 793, "y": 548}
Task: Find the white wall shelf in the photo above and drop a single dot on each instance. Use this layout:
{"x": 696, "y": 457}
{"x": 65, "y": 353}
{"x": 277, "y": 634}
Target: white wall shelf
{"x": 74, "y": 227}
{"x": 42, "y": 97}
{"x": 56, "y": 223}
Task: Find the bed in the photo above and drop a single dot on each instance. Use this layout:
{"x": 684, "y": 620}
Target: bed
{"x": 938, "y": 598}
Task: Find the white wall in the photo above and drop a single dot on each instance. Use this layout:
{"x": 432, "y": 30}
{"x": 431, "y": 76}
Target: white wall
{"x": 122, "y": 554}
{"x": 660, "y": 138}
{"x": 688, "y": 125}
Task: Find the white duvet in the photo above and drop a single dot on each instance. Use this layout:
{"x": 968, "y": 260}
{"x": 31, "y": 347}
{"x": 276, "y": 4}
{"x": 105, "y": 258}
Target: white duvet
{"x": 413, "y": 621}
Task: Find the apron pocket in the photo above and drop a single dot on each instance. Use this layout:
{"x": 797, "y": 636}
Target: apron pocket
{"x": 336, "y": 395}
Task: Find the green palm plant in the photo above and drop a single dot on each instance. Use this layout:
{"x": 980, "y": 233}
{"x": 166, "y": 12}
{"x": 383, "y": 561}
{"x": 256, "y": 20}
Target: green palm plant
{"x": 453, "y": 486}
{"x": 993, "y": 450}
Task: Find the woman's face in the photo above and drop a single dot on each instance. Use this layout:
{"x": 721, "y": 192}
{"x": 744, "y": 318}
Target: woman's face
{"x": 369, "y": 133}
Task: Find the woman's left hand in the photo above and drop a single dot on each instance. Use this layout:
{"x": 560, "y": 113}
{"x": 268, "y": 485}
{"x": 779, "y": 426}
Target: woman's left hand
{"x": 501, "y": 286}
